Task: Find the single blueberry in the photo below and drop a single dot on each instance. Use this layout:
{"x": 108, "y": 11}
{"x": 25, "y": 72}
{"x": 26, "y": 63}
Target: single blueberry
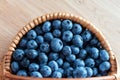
{"x": 94, "y": 53}
{"x": 32, "y": 44}
{"x": 104, "y": 66}
{"x": 94, "y": 41}
{"x": 104, "y": 55}
{"x": 56, "y": 33}
{"x": 39, "y": 39}
{"x": 89, "y": 71}
{"x": 77, "y": 28}
{"x": 69, "y": 71}
{"x": 95, "y": 71}
{"x": 14, "y": 66}
{"x": 67, "y": 24}
{"x": 56, "y": 24}
{"x": 23, "y": 42}
{"x": 25, "y": 62}
{"x": 70, "y": 58}
{"x": 46, "y": 27}
{"x": 78, "y": 63}
{"x": 36, "y": 74}
{"x": 31, "y": 34}
{"x": 89, "y": 62}
{"x": 75, "y": 49}
{"x": 60, "y": 62}
{"x": 18, "y": 54}
{"x": 38, "y": 30}
{"x": 53, "y": 56}
{"x": 31, "y": 53}
{"x": 67, "y": 36}
{"x": 79, "y": 72}
{"x": 77, "y": 41}
{"x": 45, "y": 71}
{"x": 56, "y": 45}
{"x": 66, "y": 65}
{"x": 57, "y": 74}
{"x": 42, "y": 57}
{"x": 33, "y": 67}
{"x": 53, "y": 65}
{"x": 66, "y": 50}
{"x": 86, "y": 35}
{"x": 82, "y": 54}
{"x": 22, "y": 73}
{"x": 48, "y": 36}
{"x": 45, "y": 47}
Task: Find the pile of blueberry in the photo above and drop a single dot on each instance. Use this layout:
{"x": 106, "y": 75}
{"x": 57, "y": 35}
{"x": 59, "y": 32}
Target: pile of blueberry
{"x": 60, "y": 49}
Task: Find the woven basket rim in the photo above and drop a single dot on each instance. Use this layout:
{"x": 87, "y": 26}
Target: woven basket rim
{"x": 60, "y": 15}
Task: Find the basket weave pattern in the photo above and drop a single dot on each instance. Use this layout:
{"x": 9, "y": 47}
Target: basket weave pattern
{"x": 5, "y": 65}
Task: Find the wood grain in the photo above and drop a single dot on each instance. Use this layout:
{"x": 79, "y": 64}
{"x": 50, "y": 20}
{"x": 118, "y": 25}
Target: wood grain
{"x": 104, "y": 15}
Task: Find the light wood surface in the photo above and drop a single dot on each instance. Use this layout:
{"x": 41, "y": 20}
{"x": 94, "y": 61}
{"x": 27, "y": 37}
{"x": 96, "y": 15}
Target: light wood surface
{"x": 104, "y": 14}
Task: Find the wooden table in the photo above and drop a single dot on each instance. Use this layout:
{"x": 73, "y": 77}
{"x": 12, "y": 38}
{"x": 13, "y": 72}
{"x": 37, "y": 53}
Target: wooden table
{"x": 104, "y": 14}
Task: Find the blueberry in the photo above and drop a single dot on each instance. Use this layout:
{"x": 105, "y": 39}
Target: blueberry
{"x": 66, "y": 65}
{"x": 61, "y": 70}
{"x": 95, "y": 71}
{"x": 45, "y": 47}
{"x": 78, "y": 63}
{"x": 38, "y": 30}
{"x": 14, "y": 66}
{"x": 89, "y": 71}
{"x": 42, "y": 57}
{"x": 56, "y": 45}
{"x": 77, "y": 28}
{"x": 31, "y": 53}
{"x": 31, "y": 34}
{"x": 48, "y": 36}
{"x": 104, "y": 55}
{"x": 18, "y": 54}
{"x": 69, "y": 71}
{"x": 56, "y": 33}
{"x": 45, "y": 71}
{"x": 25, "y": 62}
{"x": 77, "y": 41}
{"x": 94, "y": 53}
{"x": 22, "y": 73}
{"x": 56, "y": 74}
{"x": 86, "y": 35}
{"x": 75, "y": 50}
{"x": 82, "y": 54}
{"x": 104, "y": 66}
{"x": 39, "y": 39}
{"x": 67, "y": 36}
{"x": 66, "y": 50}
{"x": 94, "y": 41}
{"x": 46, "y": 27}
{"x": 70, "y": 58}
{"x": 53, "y": 65}
{"x": 33, "y": 67}
{"x": 60, "y": 62}
{"x": 36, "y": 74}
{"x": 67, "y": 24}
{"x": 32, "y": 44}
{"x": 56, "y": 24}
{"x": 79, "y": 72}
{"x": 89, "y": 62}
{"x": 23, "y": 42}
{"x": 53, "y": 56}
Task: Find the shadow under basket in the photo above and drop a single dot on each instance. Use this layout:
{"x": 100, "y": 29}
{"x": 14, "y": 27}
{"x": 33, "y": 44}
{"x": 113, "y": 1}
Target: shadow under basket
{"x": 5, "y": 72}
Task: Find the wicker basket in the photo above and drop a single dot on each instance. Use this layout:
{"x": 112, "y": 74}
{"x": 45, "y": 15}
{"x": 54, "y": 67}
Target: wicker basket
{"x": 5, "y": 72}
